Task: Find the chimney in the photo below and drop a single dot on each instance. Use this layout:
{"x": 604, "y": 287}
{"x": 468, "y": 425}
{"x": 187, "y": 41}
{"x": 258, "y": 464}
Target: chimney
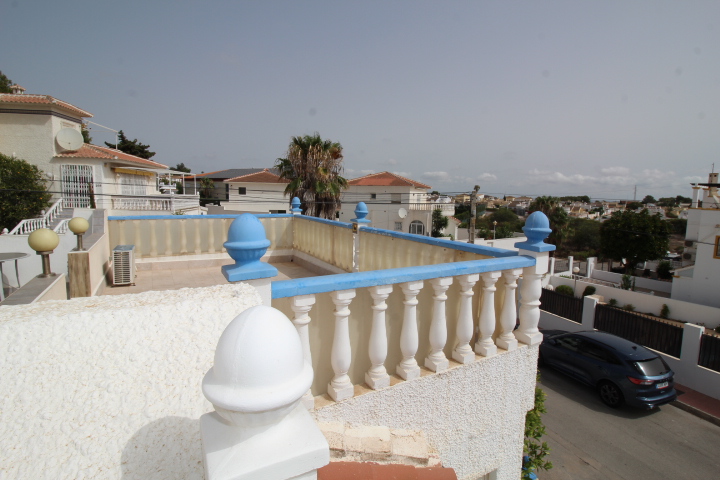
{"x": 17, "y": 89}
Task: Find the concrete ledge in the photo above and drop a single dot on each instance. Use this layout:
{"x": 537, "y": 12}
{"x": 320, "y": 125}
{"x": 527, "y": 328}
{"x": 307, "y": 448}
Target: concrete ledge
{"x": 39, "y": 289}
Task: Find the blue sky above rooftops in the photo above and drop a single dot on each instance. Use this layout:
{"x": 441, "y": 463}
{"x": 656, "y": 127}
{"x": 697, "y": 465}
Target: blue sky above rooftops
{"x": 530, "y": 97}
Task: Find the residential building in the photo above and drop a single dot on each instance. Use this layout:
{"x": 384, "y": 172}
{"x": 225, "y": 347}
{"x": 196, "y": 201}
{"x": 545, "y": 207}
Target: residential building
{"x": 46, "y": 132}
{"x": 394, "y": 202}
{"x": 257, "y": 192}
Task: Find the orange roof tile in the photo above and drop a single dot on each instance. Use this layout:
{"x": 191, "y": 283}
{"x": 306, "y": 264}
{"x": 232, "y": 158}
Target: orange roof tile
{"x": 93, "y": 151}
{"x": 266, "y": 176}
{"x": 42, "y": 100}
{"x": 386, "y": 179}
{"x": 374, "y": 471}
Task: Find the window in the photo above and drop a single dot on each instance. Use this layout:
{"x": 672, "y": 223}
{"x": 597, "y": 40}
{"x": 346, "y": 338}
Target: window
{"x": 373, "y": 196}
{"x": 227, "y": 191}
{"x": 569, "y": 343}
{"x": 242, "y": 191}
{"x": 398, "y": 226}
{"x": 417, "y": 227}
{"x": 133, "y": 184}
{"x": 395, "y": 198}
{"x": 76, "y": 180}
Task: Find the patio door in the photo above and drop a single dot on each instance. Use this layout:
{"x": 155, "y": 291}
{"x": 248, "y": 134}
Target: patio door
{"x": 77, "y": 184}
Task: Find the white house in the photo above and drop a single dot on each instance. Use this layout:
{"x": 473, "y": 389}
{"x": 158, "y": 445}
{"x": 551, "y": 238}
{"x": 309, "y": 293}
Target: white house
{"x": 394, "y": 202}
{"x": 46, "y": 132}
{"x": 698, "y": 283}
{"x": 257, "y": 192}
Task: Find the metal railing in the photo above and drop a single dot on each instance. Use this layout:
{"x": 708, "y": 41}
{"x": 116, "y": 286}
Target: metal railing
{"x": 709, "y": 352}
{"x": 562, "y": 305}
{"x": 641, "y": 329}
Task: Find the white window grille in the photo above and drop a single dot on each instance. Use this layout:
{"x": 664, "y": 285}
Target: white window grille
{"x": 398, "y": 226}
{"x": 417, "y": 227}
{"x": 76, "y": 185}
{"x": 133, "y": 184}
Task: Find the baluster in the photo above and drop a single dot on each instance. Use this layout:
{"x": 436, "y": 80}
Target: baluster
{"x": 153, "y": 239}
{"x": 408, "y": 368}
{"x": 198, "y": 248}
{"x": 168, "y": 237}
{"x": 377, "y": 377}
{"x": 211, "y": 236}
{"x": 529, "y": 314}
{"x": 121, "y": 231}
{"x": 301, "y": 305}
{"x": 136, "y": 234}
{"x": 485, "y": 345}
{"x": 463, "y": 353}
{"x": 508, "y": 315}
{"x": 340, "y": 387}
{"x": 183, "y": 236}
{"x": 437, "y": 361}
{"x": 223, "y": 222}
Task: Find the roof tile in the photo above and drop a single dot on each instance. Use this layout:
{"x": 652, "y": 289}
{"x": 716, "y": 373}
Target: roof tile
{"x": 386, "y": 179}
{"x": 93, "y": 151}
{"x": 43, "y": 100}
{"x": 265, "y": 176}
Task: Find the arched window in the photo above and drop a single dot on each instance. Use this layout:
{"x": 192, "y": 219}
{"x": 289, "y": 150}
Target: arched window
{"x": 417, "y": 227}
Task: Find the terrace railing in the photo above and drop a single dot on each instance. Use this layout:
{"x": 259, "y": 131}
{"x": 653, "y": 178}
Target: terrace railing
{"x": 158, "y": 203}
{"x": 27, "y": 226}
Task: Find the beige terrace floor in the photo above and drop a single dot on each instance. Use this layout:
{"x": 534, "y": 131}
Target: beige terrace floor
{"x": 174, "y": 279}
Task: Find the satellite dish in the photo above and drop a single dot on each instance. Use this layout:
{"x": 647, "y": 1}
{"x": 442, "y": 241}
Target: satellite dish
{"x": 402, "y": 213}
{"x": 69, "y": 139}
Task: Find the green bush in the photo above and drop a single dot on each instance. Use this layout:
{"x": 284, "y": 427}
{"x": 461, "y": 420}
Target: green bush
{"x": 23, "y": 193}
{"x": 663, "y": 270}
{"x": 565, "y": 290}
{"x": 589, "y": 290}
{"x": 612, "y": 302}
{"x": 664, "y": 311}
{"x": 629, "y": 307}
{"x": 627, "y": 282}
{"x": 533, "y": 448}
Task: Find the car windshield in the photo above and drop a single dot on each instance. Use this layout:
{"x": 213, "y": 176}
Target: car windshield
{"x": 653, "y": 367}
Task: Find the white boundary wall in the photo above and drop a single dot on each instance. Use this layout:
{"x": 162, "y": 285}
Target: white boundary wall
{"x": 640, "y": 282}
{"x": 109, "y": 387}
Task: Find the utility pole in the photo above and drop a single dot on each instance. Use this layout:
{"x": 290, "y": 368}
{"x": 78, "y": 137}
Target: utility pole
{"x": 473, "y": 204}
{"x": 635, "y": 194}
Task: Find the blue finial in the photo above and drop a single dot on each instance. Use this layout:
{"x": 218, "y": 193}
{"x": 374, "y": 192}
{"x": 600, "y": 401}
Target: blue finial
{"x": 246, "y": 244}
{"x": 537, "y": 228}
{"x": 361, "y": 211}
{"x": 295, "y": 204}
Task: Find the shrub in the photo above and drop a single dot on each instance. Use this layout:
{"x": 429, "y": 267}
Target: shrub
{"x": 589, "y": 290}
{"x": 627, "y": 282}
{"x": 663, "y": 270}
{"x": 565, "y": 290}
{"x": 23, "y": 191}
{"x": 612, "y": 302}
{"x": 535, "y": 451}
{"x": 629, "y": 307}
{"x": 717, "y": 329}
{"x": 664, "y": 311}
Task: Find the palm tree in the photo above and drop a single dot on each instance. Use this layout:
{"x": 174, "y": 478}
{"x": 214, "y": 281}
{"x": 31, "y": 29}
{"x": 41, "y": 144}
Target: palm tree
{"x": 313, "y": 167}
{"x": 559, "y": 219}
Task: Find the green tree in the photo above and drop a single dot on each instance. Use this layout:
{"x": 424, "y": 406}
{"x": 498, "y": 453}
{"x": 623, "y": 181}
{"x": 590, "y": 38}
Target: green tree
{"x": 206, "y": 190}
{"x": 85, "y": 130}
{"x": 535, "y": 450}
{"x": 5, "y": 83}
{"x": 23, "y": 191}
{"x": 313, "y": 167}
{"x": 579, "y": 198}
{"x": 634, "y": 237}
{"x": 180, "y": 167}
{"x": 633, "y": 205}
{"x": 584, "y": 236}
{"x": 667, "y": 202}
{"x": 439, "y": 221}
{"x": 132, "y": 147}
{"x": 648, "y": 199}
{"x": 680, "y": 199}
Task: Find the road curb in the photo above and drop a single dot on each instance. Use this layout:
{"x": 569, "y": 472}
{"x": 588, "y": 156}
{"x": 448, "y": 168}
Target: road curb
{"x": 696, "y": 411}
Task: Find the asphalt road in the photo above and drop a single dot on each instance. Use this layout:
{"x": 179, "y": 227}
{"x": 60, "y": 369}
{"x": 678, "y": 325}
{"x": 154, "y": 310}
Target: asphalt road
{"x": 590, "y": 441}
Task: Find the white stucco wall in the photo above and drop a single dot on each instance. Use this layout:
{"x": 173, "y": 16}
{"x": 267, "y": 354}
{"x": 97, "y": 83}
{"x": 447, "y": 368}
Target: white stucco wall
{"x": 110, "y": 387}
{"x": 260, "y": 198}
{"x": 474, "y": 415}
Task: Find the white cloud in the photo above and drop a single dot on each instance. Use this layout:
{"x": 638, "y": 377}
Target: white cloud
{"x": 486, "y": 177}
{"x": 392, "y": 161}
{"x": 439, "y": 176}
{"x": 615, "y": 171}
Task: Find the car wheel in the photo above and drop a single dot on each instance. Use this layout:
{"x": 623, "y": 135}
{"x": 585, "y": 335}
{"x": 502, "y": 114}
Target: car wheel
{"x": 610, "y": 394}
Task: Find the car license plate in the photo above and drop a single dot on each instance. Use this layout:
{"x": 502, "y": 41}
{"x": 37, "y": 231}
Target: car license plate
{"x": 661, "y": 385}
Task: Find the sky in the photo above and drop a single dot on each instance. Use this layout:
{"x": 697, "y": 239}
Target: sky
{"x": 536, "y": 97}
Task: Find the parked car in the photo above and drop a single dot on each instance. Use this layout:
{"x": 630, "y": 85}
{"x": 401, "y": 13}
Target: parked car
{"x": 620, "y": 370}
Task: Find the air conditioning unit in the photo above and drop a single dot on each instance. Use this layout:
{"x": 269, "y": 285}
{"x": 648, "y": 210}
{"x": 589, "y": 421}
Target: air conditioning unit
{"x": 689, "y": 243}
{"x": 124, "y": 265}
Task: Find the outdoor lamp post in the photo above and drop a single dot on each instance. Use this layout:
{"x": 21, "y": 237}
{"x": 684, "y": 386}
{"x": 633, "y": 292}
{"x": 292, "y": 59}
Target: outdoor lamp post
{"x": 494, "y": 225}
{"x": 79, "y": 226}
{"x": 576, "y": 270}
{"x": 44, "y": 241}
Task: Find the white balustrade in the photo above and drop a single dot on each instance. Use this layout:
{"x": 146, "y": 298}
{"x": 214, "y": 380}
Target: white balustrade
{"x": 463, "y": 352}
{"x": 408, "y": 368}
{"x": 437, "y": 361}
{"x": 377, "y": 377}
{"x": 486, "y": 326}
{"x": 340, "y": 387}
{"x": 529, "y": 313}
{"x": 508, "y": 316}
{"x": 29, "y": 225}
{"x": 168, "y": 237}
{"x": 211, "y": 235}
{"x": 153, "y": 239}
{"x": 183, "y": 236}
{"x": 301, "y": 306}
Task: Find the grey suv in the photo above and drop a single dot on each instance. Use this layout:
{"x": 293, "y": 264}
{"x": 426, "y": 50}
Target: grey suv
{"x": 620, "y": 370}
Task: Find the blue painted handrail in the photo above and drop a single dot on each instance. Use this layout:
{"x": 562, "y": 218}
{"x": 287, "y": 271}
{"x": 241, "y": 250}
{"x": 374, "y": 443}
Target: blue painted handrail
{"x": 345, "y": 281}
